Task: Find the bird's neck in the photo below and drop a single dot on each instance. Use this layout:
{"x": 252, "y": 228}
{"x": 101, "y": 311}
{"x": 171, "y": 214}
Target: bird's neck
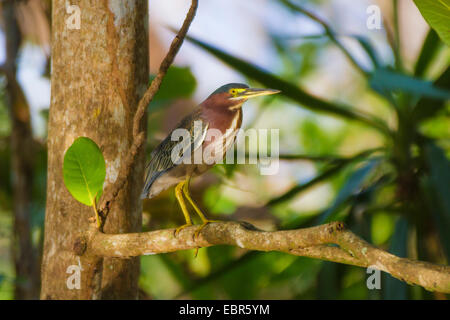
{"x": 223, "y": 118}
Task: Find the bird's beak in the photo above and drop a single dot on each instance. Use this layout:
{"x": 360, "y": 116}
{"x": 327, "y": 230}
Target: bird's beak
{"x": 255, "y": 92}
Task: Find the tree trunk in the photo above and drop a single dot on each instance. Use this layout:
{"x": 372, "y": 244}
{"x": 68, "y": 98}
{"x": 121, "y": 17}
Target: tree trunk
{"x": 24, "y": 255}
{"x": 99, "y": 72}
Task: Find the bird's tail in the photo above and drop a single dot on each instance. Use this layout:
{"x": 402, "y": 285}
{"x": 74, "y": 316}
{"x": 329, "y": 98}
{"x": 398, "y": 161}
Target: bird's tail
{"x": 151, "y": 178}
{"x": 148, "y": 185}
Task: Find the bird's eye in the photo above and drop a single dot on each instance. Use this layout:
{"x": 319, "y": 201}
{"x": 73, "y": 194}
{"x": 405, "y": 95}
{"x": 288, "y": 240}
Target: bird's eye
{"x": 233, "y": 91}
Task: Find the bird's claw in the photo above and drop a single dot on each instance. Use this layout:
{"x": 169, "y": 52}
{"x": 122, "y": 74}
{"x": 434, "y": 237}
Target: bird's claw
{"x": 204, "y": 224}
{"x": 177, "y": 230}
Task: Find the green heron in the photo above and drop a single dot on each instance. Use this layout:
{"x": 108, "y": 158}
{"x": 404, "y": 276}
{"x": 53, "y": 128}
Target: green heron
{"x": 221, "y": 111}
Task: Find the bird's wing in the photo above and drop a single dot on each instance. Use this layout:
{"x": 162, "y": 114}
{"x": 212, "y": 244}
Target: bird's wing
{"x": 196, "y": 138}
{"x": 161, "y": 157}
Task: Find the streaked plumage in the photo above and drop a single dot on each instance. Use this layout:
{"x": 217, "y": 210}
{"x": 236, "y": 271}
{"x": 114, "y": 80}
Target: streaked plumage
{"x": 214, "y": 112}
{"x": 221, "y": 111}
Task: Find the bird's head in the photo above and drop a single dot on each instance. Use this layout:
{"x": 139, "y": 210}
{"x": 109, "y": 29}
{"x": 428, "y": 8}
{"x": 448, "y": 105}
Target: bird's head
{"x": 233, "y": 95}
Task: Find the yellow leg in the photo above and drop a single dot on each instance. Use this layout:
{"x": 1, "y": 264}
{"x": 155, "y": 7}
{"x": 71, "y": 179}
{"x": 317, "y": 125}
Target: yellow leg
{"x": 179, "y": 196}
{"x": 196, "y": 208}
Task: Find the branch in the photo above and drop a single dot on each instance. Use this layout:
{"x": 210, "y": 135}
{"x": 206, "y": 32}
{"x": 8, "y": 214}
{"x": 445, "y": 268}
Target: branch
{"x": 113, "y": 190}
{"x": 316, "y": 242}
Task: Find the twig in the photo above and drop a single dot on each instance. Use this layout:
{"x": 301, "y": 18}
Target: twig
{"x": 311, "y": 242}
{"x": 113, "y": 190}
{"x": 97, "y": 217}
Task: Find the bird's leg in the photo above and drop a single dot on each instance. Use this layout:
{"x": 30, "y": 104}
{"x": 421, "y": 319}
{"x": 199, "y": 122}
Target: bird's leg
{"x": 179, "y": 196}
{"x": 196, "y": 208}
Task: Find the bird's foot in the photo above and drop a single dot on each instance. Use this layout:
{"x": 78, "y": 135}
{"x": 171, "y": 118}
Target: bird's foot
{"x": 204, "y": 224}
{"x": 177, "y": 230}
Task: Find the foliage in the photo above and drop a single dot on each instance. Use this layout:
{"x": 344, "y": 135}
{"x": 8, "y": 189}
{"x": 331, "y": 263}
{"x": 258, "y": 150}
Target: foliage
{"x": 288, "y": 89}
{"x": 393, "y": 192}
{"x": 179, "y": 83}
{"x": 388, "y": 82}
{"x": 84, "y": 171}
{"x": 436, "y": 13}
{"x": 403, "y": 183}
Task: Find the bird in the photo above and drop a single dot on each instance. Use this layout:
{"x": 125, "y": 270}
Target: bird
{"x": 222, "y": 111}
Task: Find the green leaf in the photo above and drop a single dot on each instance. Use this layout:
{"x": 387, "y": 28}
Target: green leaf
{"x": 370, "y": 50}
{"x": 429, "y": 49}
{"x": 179, "y": 83}
{"x": 385, "y": 81}
{"x": 428, "y": 107}
{"x": 439, "y": 173}
{"x": 327, "y": 173}
{"x": 290, "y": 90}
{"x": 84, "y": 170}
{"x": 328, "y": 281}
{"x": 176, "y": 271}
{"x": 5, "y": 122}
{"x": 394, "y": 289}
{"x": 382, "y": 227}
{"x": 437, "y": 14}
{"x": 437, "y": 189}
{"x": 353, "y": 183}
{"x": 218, "y": 203}
{"x": 440, "y": 218}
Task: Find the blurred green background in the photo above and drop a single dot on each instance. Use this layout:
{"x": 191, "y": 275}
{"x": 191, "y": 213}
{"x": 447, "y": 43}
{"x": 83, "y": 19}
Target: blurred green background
{"x": 364, "y": 138}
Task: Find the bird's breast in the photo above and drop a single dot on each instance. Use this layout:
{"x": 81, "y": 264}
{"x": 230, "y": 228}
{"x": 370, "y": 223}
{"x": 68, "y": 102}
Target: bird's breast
{"x": 221, "y": 134}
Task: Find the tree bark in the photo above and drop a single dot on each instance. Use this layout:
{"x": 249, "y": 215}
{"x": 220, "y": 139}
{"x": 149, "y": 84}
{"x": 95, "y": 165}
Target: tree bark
{"x": 99, "y": 72}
